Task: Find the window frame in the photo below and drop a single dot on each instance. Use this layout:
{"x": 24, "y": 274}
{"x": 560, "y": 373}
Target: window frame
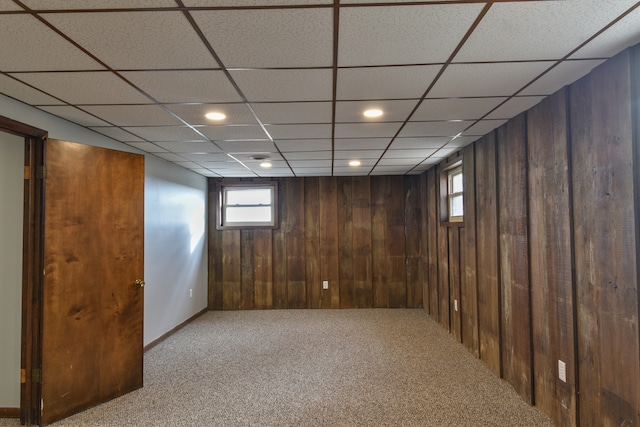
{"x": 451, "y": 173}
{"x": 221, "y": 190}
{"x": 445, "y": 169}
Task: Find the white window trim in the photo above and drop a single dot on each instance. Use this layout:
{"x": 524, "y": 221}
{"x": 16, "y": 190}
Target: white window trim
{"x": 223, "y": 188}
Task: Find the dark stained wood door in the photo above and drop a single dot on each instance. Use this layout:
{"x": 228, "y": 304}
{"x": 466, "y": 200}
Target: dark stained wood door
{"x": 93, "y": 253}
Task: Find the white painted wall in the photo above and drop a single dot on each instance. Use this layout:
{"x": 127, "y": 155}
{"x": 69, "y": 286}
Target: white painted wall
{"x": 11, "y": 210}
{"x": 175, "y": 199}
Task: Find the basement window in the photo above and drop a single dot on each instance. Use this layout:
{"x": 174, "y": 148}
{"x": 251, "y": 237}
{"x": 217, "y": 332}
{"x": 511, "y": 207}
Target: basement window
{"x": 455, "y": 208}
{"x": 243, "y": 206}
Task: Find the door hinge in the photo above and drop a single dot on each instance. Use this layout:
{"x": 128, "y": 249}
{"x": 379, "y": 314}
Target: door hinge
{"x": 41, "y": 172}
{"x": 36, "y": 376}
{"x": 27, "y": 172}
{"x": 23, "y": 376}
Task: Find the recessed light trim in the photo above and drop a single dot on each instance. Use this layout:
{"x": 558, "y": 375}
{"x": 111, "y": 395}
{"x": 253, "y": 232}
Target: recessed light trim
{"x": 215, "y": 115}
{"x": 374, "y": 112}
{"x": 355, "y": 163}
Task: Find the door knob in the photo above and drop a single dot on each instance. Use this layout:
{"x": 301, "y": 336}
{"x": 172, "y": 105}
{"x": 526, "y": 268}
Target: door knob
{"x": 139, "y": 283}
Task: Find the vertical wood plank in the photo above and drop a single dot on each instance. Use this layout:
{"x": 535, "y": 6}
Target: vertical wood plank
{"x": 469, "y": 285}
{"x": 443, "y": 258}
{"x": 312, "y": 241}
{"x": 379, "y": 248}
{"x": 329, "y": 262}
{"x": 454, "y": 281}
{"x": 215, "y": 300}
{"x": 432, "y": 243}
{"x": 605, "y": 245}
{"x": 295, "y": 243}
{"x": 487, "y": 255}
{"x": 263, "y": 272}
{"x": 514, "y": 256}
{"x": 550, "y": 244}
{"x": 280, "y": 299}
{"x": 424, "y": 245}
{"x": 395, "y": 240}
{"x": 413, "y": 239}
{"x": 231, "y": 275}
{"x": 362, "y": 254}
{"x": 345, "y": 241}
{"x": 247, "y": 276}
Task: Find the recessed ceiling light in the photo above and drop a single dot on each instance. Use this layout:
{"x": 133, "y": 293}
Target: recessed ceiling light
{"x": 265, "y": 165}
{"x": 215, "y": 116}
{"x": 354, "y": 163}
{"x": 373, "y": 113}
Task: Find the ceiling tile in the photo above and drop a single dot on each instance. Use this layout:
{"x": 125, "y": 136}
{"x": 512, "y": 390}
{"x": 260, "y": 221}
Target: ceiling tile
{"x": 473, "y": 80}
{"x": 409, "y": 162}
{"x": 198, "y": 157}
{"x": 117, "y": 134}
{"x": 165, "y": 133}
{"x": 75, "y": 115}
{"x": 413, "y": 129}
{"x": 320, "y": 171}
{"x": 206, "y": 172}
{"x": 85, "y": 87}
{"x": 391, "y": 169}
{"x": 348, "y": 171}
{"x": 358, "y": 154}
{"x": 285, "y": 85}
{"x": 514, "y": 106}
{"x": 299, "y": 131}
{"x": 364, "y": 162}
{"x": 9, "y": 5}
{"x": 136, "y": 40}
{"x": 304, "y": 145}
{"x": 170, "y": 157}
{"x": 446, "y": 151}
{"x": 393, "y": 111}
{"x": 133, "y": 115}
{"x": 147, "y": 146}
{"x": 563, "y": 74}
{"x": 24, "y": 93}
{"x": 455, "y": 108}
{"x": 538, "y": 30}
{"x": 361, "y": 143}
{"x": 409, "y": 154}
{"x": 211, "y": 86}
{"x": 308, "y": 155}
{"x": 96, "y": 4}
{"x": 293, "y": 112}
{"x": 483, "y": 127}
{"x": 374, "y": 83}
{"x": 38, "y": 49}
{"x": 270, "y": 38}
{"x": 232, "y": 132}
{"x": 189, "y": 147}
{"x": 412, "y": 34}
{"x": 418, "y": 143}
{"x": 264, "y": 146}
{"x": 204, "y": 3}
{"x": 463, "y": 141}
{"x": 236, "y": 114}
{"x": 189, "y": 165}
{"x": 620, "y": 36}
{"x": 227, "y": 164}
{"x": 366, "y": 130}
{"x": 295, "y": 164}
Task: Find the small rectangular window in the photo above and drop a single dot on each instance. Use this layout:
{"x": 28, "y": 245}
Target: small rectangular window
{"x": 247, "y": 205}
{"x": 455, "y": 194}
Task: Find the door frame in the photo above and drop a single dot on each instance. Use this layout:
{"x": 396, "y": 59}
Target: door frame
{"x": 32, "y": 268}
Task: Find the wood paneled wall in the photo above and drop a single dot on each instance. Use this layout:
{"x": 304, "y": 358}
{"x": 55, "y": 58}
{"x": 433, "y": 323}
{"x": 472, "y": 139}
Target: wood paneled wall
{"x": 362, "y": 234}
{"x": 546, "y": 265}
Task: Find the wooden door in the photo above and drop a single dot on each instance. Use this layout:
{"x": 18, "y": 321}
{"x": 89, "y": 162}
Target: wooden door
{"x": 93, "y": 254}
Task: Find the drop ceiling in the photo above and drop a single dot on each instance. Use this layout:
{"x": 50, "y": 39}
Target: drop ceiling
{"x": 293, "y": 77}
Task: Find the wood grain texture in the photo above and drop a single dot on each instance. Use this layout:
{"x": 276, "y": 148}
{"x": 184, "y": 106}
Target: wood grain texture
{"x": 442, "y": 233}
{"x": 469, "y": 282}
{"x": 424, "y": 242}
{"x": 231, "y": 270}
{"x": 329, "y": 261}
{"x": 454, "y": 282}
{"x": 295, "y": 244}
{"x": 312, "y": 241}
{"x": 413, "y": 241}
{"x": 362, "y": 254}
{"x": 263, "y": 269}
{"x": 487, "y": 256}
{"x": 93, "y": 253}
{"x": 553, "y": 325}
{"x": 378, "y": 243}
{"x": 432, "y": 243}
{"x": 279, "y": 245}
{"x": 216, "y": 301}
{"x": 605, "y": 245}
{"x": 345, "y": 246}
{"x": 514, "y": 256}
{"x": 247, "y": 270}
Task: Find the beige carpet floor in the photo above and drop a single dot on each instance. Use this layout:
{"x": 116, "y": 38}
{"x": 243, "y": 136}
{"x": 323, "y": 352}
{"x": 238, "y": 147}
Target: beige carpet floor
{"x": 362, "y": 367}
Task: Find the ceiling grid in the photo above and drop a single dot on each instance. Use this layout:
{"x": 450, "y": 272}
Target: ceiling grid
{"x": 294, "y": 77}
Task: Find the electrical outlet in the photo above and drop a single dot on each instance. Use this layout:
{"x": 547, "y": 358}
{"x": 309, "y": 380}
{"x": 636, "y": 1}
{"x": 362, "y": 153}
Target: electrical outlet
{"x": 562, "y": 371}
{"x": 190, "y": 293}
{"x": 455, "y": 304}
{"x": 325, "y": 284}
